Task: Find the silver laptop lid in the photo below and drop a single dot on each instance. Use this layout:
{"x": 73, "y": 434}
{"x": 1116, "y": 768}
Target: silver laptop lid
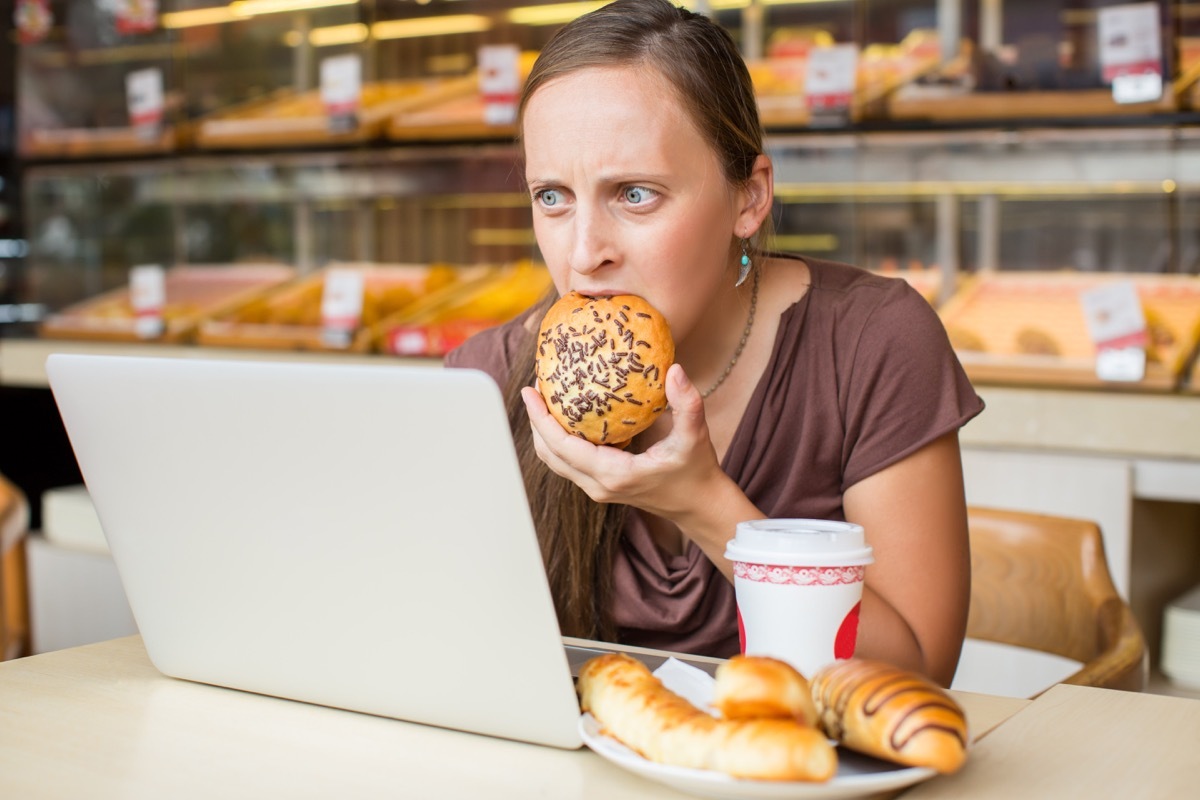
{"x": 353, "y": 536}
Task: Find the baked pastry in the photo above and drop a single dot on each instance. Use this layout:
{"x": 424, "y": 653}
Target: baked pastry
{"x": 884, "y": 711}
{"x": 1037, "y": 342}
{"x": 962, "y": 339}
{"x": 749, "y": 687}
{"x": 633, "y": 706}
{"x": 602, "y": 365}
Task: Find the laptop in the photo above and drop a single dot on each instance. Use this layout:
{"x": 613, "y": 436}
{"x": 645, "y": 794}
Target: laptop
{"x": 347, "y": 535}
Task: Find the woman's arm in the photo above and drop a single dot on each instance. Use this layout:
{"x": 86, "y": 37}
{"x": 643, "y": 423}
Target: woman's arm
{"x": 914, "y": 611}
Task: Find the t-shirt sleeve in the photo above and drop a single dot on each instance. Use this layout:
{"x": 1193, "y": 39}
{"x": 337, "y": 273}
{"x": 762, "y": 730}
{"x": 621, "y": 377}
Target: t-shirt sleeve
{"x": 905, "y": 387}
{"x": 484, "y": 351}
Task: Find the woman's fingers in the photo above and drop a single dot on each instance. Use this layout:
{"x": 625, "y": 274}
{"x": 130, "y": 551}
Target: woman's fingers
{"x": 566, "y": 454}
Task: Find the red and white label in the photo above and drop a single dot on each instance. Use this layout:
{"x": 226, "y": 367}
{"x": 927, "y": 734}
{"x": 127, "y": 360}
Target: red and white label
{"x": 33, "y": 20}
{"x": 1131, "y": 51}
{"x": 136, "y": 16}
{"x": 341, "y": 90}
{"x": 148, "y": 297}
{"x": 341, "y": 306}
{"x": 1117, "y": 326}
{"x": 500, "y": 82}
{"x": 831, "y": 77}
{"x": 144, "y": 97}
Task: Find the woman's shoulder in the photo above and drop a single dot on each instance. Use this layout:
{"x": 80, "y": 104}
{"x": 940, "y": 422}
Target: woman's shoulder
{"x": 844, "y": 292}
{"x": 853, "y": 283}
{"x": 493, "y": 350}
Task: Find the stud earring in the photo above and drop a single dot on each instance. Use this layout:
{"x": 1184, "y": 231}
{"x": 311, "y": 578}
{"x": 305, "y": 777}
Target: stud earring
{"x": 744, "y": 267}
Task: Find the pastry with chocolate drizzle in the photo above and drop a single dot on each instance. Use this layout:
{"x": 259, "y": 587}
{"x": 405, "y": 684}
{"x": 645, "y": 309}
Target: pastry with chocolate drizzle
{"x": 602, "y": 365}
{"x": 884, "y": 711}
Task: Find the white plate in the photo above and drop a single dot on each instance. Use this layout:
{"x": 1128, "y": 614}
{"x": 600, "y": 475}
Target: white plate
{"x": 857, "y": 775}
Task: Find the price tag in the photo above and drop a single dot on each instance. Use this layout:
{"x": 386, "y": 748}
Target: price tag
{"x": 1131, "y": 51}
{"x": 144, "y": 99}
{"x": 831, "y": 78}
{"x": 341, "y": 91}
{"x": 1126, "y": 364}
{"x": 408, "y": 341}
{"x": 1117, "y": 326}
{"x": 136, "y": 16}
{"x": 33, "y": 20}
{"x": 341, "y": 306}
{"x": 500, "y": 82}
{"x": 148, "y": 297}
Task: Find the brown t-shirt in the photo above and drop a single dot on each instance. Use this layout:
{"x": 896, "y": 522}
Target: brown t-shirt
{"x": 861, "y": 375}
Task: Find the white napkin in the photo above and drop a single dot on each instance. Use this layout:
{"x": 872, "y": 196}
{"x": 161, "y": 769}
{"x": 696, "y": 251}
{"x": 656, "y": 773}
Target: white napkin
{"x": 692, "y": 683}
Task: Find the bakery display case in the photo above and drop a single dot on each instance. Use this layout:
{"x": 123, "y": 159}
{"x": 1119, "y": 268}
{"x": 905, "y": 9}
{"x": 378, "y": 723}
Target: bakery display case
{"x": 265, "y": 167}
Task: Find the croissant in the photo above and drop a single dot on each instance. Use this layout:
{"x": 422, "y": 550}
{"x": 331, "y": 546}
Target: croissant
{"x": 633, "y": 706}
{"x": 891, "y": 713}
{"x": 749, "y": 687}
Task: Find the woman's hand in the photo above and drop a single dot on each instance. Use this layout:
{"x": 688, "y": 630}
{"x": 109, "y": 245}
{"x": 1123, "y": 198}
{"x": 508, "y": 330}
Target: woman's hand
{"x": 677, "y": 478}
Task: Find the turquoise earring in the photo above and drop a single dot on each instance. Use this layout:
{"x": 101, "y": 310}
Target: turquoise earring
{"x": 744, "y": 268}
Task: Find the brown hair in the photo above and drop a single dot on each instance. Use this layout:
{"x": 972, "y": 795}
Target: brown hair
{"x": 699, "y": 60}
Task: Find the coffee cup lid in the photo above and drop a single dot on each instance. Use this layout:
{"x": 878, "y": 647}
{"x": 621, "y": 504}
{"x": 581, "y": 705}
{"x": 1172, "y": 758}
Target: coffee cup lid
{"x": 800, "y": 542}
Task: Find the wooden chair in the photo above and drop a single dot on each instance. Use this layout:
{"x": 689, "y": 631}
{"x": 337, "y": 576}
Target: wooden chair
{"x": 1042, "y": 582}
{"x": 14, "y": 600}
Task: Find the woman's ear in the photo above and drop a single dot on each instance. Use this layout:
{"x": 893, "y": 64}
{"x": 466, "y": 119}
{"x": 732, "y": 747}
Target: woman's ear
{"x": 756, "y": 197}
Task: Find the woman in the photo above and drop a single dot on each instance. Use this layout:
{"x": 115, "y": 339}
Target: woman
{"x": 802, "y": 388}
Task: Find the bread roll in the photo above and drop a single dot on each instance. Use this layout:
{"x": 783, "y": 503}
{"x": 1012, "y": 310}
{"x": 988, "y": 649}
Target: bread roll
{"x": 891, "y": 713}
{"x": 750, "y": 687}
{"x": 602, "y": 365}
{"x": 633, "y": 706}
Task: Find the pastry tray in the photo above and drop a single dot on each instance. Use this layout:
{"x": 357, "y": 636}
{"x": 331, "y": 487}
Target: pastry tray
{"x": 289, "y": 318}
{"x": 438, "y": 325}
{"x": 458, "y": 117}
{"x": 95, "y": 142}
{"x": 1029, "y": 328}
{"x": 779, "y": 82}
{"x": 192, "y": 293}
{"x": 298, "y": 119}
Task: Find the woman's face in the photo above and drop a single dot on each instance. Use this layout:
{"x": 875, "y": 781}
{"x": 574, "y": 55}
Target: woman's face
{"x": 628, "y": 198}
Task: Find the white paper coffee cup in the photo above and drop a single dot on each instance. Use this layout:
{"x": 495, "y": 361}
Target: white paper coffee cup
{"x": 799, "y": 585}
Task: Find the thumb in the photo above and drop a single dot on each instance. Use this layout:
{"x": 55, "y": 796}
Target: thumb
{"x": 687, "y": 406}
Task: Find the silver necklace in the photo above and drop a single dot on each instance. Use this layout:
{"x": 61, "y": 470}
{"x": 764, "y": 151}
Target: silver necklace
{"x": 741, "y": 344}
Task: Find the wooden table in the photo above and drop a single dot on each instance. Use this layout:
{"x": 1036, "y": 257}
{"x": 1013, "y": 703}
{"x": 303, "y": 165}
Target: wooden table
{"x": 101, "y": 722}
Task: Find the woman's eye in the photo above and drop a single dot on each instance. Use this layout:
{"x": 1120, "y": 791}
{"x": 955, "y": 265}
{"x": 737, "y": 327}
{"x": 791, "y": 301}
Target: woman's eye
{"x": 547, "y": 197}
{"x": 638, "y": 194}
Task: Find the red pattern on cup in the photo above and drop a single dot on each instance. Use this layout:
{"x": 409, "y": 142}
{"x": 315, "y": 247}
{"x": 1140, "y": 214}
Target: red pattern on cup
{"x": 847, "y": 635}
{"x": 799, "y": 576}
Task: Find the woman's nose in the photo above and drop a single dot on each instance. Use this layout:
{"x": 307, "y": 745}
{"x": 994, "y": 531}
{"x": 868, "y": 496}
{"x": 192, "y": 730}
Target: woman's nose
{"x": 593, "y": 246}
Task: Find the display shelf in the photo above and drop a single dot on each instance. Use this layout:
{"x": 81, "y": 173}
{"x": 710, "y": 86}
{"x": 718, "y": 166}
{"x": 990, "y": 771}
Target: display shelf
{"x": 941, "y": 104}
{"x": 23, "y": 361}
{"x": 190, "y": 294}
{"x": 83, "y": 143}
